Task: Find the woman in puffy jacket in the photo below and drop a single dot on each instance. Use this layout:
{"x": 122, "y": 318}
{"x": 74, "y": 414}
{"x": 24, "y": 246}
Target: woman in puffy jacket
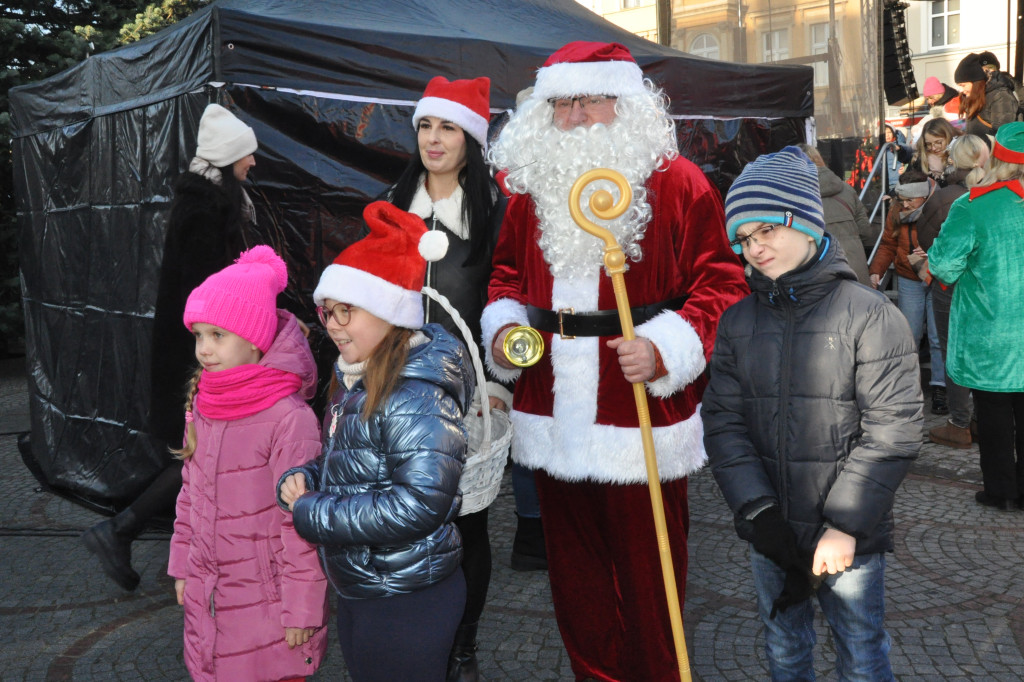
{"x": 382, "y": 498}
{"x": 812, "y": 417}
{"x": 986, "y": 104}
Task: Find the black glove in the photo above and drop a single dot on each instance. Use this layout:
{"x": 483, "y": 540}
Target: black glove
{"x": 797, "y": 588}
{"x": 775, "y": 539}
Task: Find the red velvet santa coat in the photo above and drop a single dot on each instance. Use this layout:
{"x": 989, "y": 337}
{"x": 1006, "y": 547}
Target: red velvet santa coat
{"x": 573, "y": 414}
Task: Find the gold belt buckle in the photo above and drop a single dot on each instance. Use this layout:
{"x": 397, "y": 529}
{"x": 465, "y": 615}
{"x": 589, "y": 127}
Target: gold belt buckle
{"x": 561, "y": 328}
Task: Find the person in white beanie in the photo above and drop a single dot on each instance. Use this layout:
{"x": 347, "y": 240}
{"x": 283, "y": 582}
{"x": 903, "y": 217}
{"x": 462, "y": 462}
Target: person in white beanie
{"x": 204, "y": 235}
{"x": 382, "y": 498}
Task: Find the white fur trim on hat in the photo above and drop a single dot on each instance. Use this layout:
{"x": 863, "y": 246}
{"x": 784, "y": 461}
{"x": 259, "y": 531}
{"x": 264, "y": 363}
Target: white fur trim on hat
{"x": 459, "y": 114}
{"x": 388, "y": 301}
{"x": 617, "y": 78}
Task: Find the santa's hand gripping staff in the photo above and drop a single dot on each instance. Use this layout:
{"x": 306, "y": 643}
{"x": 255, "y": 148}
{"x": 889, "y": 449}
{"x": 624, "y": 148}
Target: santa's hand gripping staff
{"x": 575, "y": 421}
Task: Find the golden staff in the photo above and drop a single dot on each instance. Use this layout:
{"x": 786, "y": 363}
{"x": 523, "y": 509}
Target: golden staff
{"x": 604, "y": 207}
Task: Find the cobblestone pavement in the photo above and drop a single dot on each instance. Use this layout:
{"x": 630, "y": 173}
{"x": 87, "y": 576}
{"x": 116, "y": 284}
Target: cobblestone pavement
{"x": 955, "y": 587}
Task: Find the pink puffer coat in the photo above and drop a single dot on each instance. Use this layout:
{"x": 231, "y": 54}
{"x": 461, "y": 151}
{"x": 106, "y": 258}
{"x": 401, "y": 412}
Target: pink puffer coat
{"x": 248, "y": 575}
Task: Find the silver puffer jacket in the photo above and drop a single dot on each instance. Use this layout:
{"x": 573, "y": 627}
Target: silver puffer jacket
{"x": 387, "y": 489}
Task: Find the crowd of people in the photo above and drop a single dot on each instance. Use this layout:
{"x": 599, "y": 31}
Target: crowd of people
{"x": 761, "y": 342}
{"x": 962, "y": 146}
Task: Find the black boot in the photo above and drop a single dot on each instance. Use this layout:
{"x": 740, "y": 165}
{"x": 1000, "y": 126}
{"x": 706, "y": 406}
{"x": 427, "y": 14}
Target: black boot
{"x": 462, "y": 663}
{"x": 111, "y": 542}
{"x": 528, "y": 553}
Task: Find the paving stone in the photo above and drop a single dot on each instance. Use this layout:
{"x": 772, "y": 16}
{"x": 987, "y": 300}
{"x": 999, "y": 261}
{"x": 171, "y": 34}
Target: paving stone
{"x": 955, "y": 590}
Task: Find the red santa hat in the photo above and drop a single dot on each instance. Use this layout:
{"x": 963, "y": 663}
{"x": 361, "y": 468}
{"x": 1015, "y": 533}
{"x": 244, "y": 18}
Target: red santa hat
{"x": 383, "y": 272}
{"x": 585, "y": 68}
{"x": 466, "y": 103}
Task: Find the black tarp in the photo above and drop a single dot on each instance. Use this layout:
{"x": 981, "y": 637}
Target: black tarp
{"x": 329, "y": 87}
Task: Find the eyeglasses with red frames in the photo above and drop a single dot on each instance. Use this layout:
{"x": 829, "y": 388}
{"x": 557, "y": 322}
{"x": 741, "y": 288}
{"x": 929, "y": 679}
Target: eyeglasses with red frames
{"x": 340, "y": 313}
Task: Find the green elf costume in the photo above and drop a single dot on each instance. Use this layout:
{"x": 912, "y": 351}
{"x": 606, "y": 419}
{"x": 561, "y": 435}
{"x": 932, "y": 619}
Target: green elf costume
{"x": 981, "y": 249}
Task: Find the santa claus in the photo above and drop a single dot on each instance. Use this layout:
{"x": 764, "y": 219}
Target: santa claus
{"x": 574, "y": 416}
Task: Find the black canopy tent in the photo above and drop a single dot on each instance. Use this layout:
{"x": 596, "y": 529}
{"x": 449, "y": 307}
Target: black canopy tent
{"x": 329, "y": 87}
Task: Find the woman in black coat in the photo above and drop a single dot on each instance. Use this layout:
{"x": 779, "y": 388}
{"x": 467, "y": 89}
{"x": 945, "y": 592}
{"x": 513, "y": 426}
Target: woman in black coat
{"x": 204, "y": 235}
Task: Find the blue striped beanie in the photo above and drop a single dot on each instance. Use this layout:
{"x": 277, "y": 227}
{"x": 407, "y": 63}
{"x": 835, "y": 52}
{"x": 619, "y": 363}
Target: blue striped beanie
{"x": 779, "y": 188}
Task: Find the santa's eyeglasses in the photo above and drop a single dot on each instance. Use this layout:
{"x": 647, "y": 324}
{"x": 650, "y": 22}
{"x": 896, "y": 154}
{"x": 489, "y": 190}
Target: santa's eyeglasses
{"x": 563, "y": 105}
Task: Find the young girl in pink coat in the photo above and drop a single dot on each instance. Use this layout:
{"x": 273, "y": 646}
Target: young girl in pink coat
{"x": 253, "y": 590}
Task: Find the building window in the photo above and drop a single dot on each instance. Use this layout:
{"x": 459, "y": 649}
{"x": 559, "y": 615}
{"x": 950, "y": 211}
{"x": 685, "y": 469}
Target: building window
{"x": 775, "y": 46}
{"x": 705, "y": 46}
{"x": 628, "y": 4}
{"x": 819, "y": 45}
{"x": 945, "y": 18}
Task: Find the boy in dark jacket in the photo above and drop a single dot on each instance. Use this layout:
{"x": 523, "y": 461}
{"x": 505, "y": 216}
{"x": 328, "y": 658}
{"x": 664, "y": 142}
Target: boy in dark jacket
{"x": 811, "y": 419}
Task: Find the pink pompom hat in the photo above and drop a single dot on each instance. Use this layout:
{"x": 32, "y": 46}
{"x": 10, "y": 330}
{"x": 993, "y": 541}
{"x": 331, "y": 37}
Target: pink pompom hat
{"x": 242, "y": 298}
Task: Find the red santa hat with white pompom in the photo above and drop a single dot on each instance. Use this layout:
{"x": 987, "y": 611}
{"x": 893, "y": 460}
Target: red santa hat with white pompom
{"x": 383, "y": 272}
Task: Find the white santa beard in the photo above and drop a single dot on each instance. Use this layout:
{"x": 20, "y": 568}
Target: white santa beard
{"x": 561, "y": 157}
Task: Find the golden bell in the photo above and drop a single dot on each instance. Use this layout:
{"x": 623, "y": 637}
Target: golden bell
{"x": 523, "y": 346}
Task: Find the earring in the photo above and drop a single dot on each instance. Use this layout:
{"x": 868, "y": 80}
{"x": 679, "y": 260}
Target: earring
{"x": 810, "y": 238}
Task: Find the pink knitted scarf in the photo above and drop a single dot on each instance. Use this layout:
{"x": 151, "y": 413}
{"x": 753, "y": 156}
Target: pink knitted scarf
{"x": 243, "y": 391}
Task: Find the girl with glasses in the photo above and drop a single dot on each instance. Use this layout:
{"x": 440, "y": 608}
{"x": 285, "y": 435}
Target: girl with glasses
{"x": 382, "y": 498}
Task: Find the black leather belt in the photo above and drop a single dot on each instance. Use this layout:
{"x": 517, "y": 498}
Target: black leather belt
{"x": 567, "y": 323}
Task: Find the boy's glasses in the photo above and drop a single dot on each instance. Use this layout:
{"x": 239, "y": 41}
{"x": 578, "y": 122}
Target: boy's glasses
{"x": 341, "y": 313}
{"x": 758, "y": 237}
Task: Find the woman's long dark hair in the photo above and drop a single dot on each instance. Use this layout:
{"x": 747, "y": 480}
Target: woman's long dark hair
{"x": 972, "y": 104}
{"x": 479, "y": 196}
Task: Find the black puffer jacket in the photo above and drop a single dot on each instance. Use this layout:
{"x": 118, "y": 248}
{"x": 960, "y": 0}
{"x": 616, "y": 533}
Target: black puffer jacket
{"x": 814, "y": 403}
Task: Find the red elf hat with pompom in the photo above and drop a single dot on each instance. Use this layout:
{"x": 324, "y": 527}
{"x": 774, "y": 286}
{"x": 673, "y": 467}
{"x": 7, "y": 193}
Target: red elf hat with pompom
{"x": 242, "y": 298}
{"x": 383, "y": 272}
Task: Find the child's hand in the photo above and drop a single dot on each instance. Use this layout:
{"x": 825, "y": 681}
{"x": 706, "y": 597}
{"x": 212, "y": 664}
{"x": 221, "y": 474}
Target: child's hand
{"x": 297, "y": 636}
{"x": 179, "y": 591}
{"x": 292, "y": 488}
{"x": 834, "y": 553}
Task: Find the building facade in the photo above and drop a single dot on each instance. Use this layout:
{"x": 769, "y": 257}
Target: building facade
{"x": 840, "y": 39}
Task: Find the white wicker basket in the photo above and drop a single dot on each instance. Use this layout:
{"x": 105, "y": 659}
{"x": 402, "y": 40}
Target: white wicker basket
{"x": 489, "y": 433}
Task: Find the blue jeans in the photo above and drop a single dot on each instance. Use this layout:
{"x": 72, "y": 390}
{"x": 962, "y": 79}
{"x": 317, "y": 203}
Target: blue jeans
{"x": 524, "y": 490}
{"x": 915, "y": 302}
{"x": 854, "y": 606}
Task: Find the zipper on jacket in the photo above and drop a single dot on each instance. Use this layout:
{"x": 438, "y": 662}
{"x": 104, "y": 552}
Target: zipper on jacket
{"x": 787, "y": 352}
{"x": 337, "y": 411}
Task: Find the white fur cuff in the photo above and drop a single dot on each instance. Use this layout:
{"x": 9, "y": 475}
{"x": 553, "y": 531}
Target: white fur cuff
{"x": 496, "y": 315}
{"x": 681, "y": 351}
